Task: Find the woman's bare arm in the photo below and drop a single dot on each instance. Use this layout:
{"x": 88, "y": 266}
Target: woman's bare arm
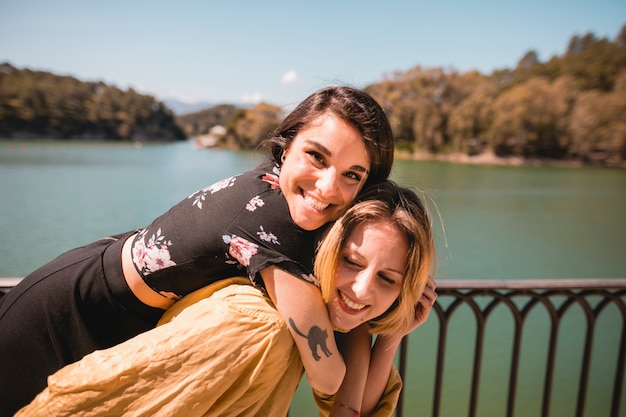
{"x": 303, "y": 309}
{"x": 356, "y": 348}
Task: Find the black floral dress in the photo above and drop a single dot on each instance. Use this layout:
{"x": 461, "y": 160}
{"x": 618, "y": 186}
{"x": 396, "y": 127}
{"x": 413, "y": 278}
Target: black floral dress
{"x": 80, "y": 302}
{"x": 237, "y": 226}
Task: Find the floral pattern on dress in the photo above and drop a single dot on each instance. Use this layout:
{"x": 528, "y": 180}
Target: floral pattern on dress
{"x": 240, "y": 249}
{"x": 267, "y": 236}
{"x": 255, "y": 203}
{"x": 200, "y": 196}
{"x": 152, "y": 255}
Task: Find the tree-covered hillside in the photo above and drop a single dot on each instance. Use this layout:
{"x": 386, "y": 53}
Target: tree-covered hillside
{"x": 244, "y": 128}
{"x": 572, "y": 107}
{"x": 44, "y": 105}
{"x": 198, "y": 123}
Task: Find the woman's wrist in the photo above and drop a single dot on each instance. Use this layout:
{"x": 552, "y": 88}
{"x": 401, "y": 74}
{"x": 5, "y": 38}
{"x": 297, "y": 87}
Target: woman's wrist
{"x": 389, "y": 341}
{"x": 356, "y": 412}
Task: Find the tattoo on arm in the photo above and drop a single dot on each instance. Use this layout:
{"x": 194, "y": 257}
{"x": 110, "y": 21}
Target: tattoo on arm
{"x": 316, "y": 337}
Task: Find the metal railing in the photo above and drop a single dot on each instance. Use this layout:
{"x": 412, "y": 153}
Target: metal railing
{"x": 521, "y": 298}
{"x": 479, "y": 299}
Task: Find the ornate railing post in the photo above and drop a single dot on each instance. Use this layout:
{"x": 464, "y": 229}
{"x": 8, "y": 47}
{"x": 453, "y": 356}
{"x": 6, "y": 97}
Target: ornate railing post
{"x": 521, "y": 297}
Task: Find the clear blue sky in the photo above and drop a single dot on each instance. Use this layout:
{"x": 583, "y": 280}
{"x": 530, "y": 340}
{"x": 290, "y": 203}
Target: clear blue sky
{"x": 281, "y": 51}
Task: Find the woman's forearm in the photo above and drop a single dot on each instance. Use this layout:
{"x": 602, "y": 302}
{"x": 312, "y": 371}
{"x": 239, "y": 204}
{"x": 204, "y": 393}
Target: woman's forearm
{"x": 356, "y": 349}
{"x": 367, "y": 372}
{"x": 381, "y": 362}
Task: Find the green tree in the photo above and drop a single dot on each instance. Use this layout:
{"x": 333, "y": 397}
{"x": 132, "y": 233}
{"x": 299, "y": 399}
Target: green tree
{"x": 598, "y": 125}
{"x": 531, "y": 119}
{"x": 250, "y": 127}
{"x": 471, "y": 119}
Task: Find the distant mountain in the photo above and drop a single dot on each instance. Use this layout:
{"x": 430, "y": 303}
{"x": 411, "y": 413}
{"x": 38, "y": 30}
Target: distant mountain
{"x": 180, "y": 107}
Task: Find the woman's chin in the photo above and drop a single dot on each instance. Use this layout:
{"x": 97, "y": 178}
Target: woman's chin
{"x": 340, "y": 319}
{"x": 341, "y": 325}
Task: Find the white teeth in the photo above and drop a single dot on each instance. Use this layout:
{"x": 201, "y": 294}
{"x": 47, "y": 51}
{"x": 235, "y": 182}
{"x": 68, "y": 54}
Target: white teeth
{"x": 350, "y": 303}
{"x": 314, "y": 203}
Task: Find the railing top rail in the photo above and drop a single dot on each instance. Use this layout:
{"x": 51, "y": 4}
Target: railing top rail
{"x": 515, "y": 284}
{"x": 469, "y": 284}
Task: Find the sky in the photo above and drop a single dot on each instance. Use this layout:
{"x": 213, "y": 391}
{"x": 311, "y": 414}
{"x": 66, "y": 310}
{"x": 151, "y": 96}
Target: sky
{"x": 246, "y": 51}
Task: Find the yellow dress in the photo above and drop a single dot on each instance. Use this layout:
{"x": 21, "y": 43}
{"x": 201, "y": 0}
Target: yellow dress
{"x": 223, "y": 350}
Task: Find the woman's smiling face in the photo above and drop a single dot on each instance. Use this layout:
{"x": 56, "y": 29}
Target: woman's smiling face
{"x": 323, "y": 170}
{"x": 371, "y": 270}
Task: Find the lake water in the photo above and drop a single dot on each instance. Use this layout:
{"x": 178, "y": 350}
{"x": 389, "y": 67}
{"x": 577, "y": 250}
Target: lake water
{"x": 491, "y": 222}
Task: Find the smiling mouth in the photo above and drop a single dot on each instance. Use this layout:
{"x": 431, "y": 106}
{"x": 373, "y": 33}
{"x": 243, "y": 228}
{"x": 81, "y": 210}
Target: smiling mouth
{"x": 315, "y": 204}
{"x": 351, "y": 304}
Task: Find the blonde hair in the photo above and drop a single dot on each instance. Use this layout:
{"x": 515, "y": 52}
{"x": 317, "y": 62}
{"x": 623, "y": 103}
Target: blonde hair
{"x": 384, "y": 201}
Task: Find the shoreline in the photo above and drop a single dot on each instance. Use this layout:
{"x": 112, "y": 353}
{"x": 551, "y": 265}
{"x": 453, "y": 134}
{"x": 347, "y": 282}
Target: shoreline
{"x": 485, "y": 158}
{"x": 490, "y": 158}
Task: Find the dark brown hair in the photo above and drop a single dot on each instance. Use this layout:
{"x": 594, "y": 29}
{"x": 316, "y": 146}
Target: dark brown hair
{"x": 353, "y": 106}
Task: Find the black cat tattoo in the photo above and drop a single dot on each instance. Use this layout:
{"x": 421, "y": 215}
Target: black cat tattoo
{"x": 316, "y": 337}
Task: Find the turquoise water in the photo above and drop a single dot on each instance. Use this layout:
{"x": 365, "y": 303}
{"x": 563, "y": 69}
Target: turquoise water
{"x": 526, "y": 222}
{"x": 491, "y": 222}
{"x": 494, "y": 222}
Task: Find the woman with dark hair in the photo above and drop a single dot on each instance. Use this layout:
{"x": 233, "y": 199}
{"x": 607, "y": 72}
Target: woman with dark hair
{"x": 264, "y": 224}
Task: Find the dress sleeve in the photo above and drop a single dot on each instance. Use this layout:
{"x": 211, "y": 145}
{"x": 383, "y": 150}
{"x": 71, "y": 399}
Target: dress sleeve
{"x": 267, "y": 237}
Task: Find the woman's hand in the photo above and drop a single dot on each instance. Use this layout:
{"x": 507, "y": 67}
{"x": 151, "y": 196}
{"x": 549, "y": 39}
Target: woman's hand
{"x": 425, "y": 305}
{"x": 422, "y": 311}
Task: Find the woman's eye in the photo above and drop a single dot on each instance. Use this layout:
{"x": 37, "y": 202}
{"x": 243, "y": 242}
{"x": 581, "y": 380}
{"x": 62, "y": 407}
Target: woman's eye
{"x": 354, "y": 176}
{"x": 350, "y": 262}
{"x": 388, "y": 280}
{"x": 317, "y": 157}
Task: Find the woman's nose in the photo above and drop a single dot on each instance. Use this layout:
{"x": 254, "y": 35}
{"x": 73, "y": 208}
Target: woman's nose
{"x": 328, "y": 183}
{"x": 362, "y": 285}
